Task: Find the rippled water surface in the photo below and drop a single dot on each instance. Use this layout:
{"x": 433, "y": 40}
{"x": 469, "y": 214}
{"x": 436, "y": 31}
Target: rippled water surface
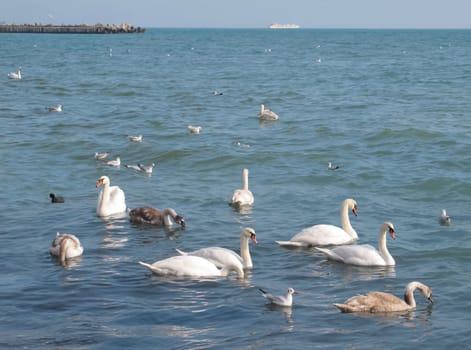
{"x": 391, "y": 108}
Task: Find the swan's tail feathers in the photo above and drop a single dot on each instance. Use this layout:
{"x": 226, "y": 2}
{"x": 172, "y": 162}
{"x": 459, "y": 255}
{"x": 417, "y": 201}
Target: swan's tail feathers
{"x": 344, "y": 307}
{"x": 181, "y": 252}
{"x": 150, "y": 267}
{"x": 292, "y": 244}
{"x": 330, "y": 254}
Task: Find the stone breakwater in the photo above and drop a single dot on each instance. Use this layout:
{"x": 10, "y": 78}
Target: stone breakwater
{"x": 70, "y": 29}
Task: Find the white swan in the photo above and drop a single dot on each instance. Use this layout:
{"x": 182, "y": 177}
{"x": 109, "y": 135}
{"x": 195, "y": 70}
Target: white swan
{"x": 154, "y": 216}
{"x": 319, "y": 235}
{"x": 115, "y": 162}
{"x": 223, "y": 257}
{"x": 194, "y": 129}
{"x": 15, "y": 76}
{"x": 444, "y": 219}
{"x": 65, "y": 246}
{"x": 282, "y": 300}
{"x": 384, "y": 302}
{"x": 267, "y": 114}
{"x": 111, "y": 200}
{"x": 190, "y": 266}
{"x": 243, "y": 196}
{"x": 365, "y": 255}
{"x": 57, "y": 108}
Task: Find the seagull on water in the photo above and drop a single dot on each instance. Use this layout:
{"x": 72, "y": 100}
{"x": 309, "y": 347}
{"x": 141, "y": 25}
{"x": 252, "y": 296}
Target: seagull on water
{"x": 330, "y": 166}
{"x": 282, "y": 300}
{"x": 57, "y": 108}
{"x": 115, "y": 162}
{"x": 444, "y": 218}
{"x": 135, "y": 138}
{"x": 194, "y": 129}
{"x": 101, "y": 156}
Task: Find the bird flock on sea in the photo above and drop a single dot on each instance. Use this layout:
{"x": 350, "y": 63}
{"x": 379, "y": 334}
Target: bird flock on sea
{"x": 336, "y": 243}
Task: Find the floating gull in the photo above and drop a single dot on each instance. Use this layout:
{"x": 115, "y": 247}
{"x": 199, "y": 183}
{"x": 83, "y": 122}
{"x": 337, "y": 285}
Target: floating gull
{"x": 146, "y": 168}
{"x": 141, "y": 167}
{"x": 136, "y": 138}
{"x": 217, "y": 93}
{"x": 332, "y": 167}
{"x": 282, "y": 300}
{"x": 101, "y": 156}
{"x": 444, "y": 218}
{"x": 116, "y": 162}
{"x": 57, "y": 108}
{"x": 194, "y": 129}
{"x": 15, "y": 76}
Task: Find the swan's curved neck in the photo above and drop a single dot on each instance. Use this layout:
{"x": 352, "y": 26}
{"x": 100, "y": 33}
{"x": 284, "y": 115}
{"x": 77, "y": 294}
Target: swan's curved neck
{"x": 409, "y": 292}
{"x": 227, "y": 269}
{"x": 245, "y": 180}
{"x": 65, "y": 244}
{"x": 245, "y": 252}
{"x": 168, "y": 219}
{"x": 105, "y": 196}
{"x": 383, "y": 248}
{"x": 346, "y": 226}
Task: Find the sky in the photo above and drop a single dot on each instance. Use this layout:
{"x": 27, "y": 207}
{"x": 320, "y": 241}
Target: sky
{"x": 243, "y": 13}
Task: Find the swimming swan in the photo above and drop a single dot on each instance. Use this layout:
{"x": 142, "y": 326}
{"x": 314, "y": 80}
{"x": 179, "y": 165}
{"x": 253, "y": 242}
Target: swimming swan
{"x": 154, "y": 216}
{"x": 65, "y": 246}
{"x": 223, "y": 257}
{"x": 365, "y": 255}
{"x": 190, "y": 266}
{"x": 15, "y": 76}
{"x": 267, "y": 114}
{"x": 319, "y": 235}
{"x": 243, "y": 196}
{"x": 384, "y": 302}
{"x": 111, "y": 200}
{"x": 282, "y": 300}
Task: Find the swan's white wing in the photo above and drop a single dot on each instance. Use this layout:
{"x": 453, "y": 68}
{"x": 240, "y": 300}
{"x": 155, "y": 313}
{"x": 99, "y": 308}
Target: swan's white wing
{"x": 361, "y": 255}
{"x": 321, "y": 235}
{"x": 184, "y": 266}
{"x": 219, "y": 256}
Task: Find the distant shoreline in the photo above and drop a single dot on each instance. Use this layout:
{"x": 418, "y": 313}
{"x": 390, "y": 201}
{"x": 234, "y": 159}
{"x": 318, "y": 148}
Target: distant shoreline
{"x": 70, "y": 29}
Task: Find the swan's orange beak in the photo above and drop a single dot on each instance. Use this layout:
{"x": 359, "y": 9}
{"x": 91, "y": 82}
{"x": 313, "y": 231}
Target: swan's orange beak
{"x": 254, "y": 239}
{"x": 355, "y": 211}
{"x": 392, "y": 234}
{"x": 99, "y": 183}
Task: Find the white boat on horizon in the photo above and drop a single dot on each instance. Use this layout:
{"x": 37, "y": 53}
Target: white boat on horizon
{"x": 283, "y": 26}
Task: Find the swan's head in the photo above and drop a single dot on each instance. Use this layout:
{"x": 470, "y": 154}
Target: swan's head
{"x": 388, "y": 226}
{"x": 177, "y": 218}
{"x": 104, "y": 180}
{"x": 249, "y": 232}
{"x": 352, "y": 204}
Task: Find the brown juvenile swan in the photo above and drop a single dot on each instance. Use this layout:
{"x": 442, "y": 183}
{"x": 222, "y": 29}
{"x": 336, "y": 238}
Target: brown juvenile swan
{"x": 154, "y": 216}
{"x": 384, "y": 302}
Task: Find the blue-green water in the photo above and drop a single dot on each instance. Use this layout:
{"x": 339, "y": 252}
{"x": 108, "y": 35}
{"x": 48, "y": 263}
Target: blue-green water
{"x": 392, "y": 108}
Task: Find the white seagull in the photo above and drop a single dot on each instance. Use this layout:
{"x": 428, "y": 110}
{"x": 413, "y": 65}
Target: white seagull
{"x": 282, "y": 300}
{"x": 135, "y": 138}
{"x": 15, "y": 76}
{"x": 101, "y": 156}
{"x": 194, "y": 129}
{"x": 330, "y": 166}
{"x": 444, "y": 218}
{"x": 57, "y": 108}
{"x": 116, "y": 162}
